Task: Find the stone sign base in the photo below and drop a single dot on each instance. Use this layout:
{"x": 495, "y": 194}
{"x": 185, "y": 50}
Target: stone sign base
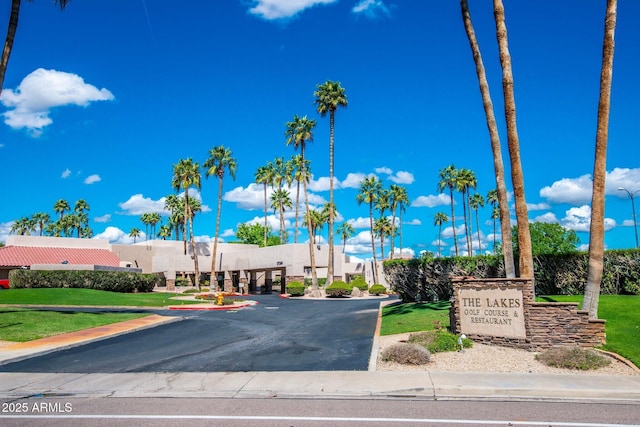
{"x": 504, "y": 312}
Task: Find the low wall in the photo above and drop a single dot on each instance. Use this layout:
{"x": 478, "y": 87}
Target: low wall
{"x": 494, "y": 317}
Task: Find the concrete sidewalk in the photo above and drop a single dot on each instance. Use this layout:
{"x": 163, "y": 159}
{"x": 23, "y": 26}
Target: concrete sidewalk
{"x": 328, "y": 384}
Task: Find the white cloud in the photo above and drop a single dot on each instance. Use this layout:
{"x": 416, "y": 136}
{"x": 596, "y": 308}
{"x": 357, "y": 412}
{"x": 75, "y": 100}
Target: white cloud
{"x": 431, "y": 201}
{"x": 402, "y": 177}
{"x": 66, "y": 173}
{"x": 537, "y": 206}
{"x": 414, "y": 221}
{"x": 42, "y": 90}
{"x": 353, "y": 180}
{"x": 384, "y": 170}
{"x": 549, "y": 217}
{"x": 360, "y": 222}
{"x": 229, "y": 232}
{"x": 138, "y": 204}
{"x": 574, "y": 191}
{"x": 623, "y": 178}
{"x": 92, "y": 179}
{"x": 371, "y": 8}
{"x": 117, "y": 236}
{"x": 283, "y": 9}
{"x": 250, "y": 198}
{"x": 103, "y": 218}
{"x": 579, "y": 219}
{"x": 321, "y": 184}
{"x": 628, "y": 223}
{"x": 448, "y": 231}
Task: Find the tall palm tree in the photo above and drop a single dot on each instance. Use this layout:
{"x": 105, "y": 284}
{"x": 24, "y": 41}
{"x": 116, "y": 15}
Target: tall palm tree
{"x": 154, "y": 219}
{"x": 448, "y": 179}
{"x": 173, "y": 204}
{"x": 145, "y": 219}
{"x": 61, "y": 206}
{"x": 329, "y": 97}
{"x": 165, "y": 232}
{"x": 41, "y": 219}
{"x": 186, "y": 174}
{"x": 465, "y": 180}
{"x": 280, "y": 201}
{"x": 477, "y": 202}
{"x": 494, "y": 136}
{"x": 495, "y": 215}
{"x": 398, "y": 198}
{"x": 134, "y": 233}
{"x": 439, "y": 219}
{"x": 11, "y": 34}
{"x": 369, "y": 191}
{"x": 345, "y": 230}
{"x": 264, "y": 176}
{"x": 220, "y": 160}
{"x": 382, "y": 228}
{"x": 596, "y": 235}
{"x": 513, "y": 143}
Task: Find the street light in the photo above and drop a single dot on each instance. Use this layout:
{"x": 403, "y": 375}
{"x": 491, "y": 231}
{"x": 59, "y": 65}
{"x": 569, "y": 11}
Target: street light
{"x": 633, "y": 208}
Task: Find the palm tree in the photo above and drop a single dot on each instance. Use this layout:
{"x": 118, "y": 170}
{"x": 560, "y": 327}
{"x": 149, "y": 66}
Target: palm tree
{"x": 517, "y": 176}
{"x": 439, "y": 219}
{"x": 173, "y": 203}
{"x": 41, "y": 219}
{"x": 145, "y": 219}
{"x": 382, "y": 228}
{"x": 154, "y": 219}
{"x": 280, "y": 201}
{"x": 134, "y": 233}
{"x": 476, "y": 202}
{"x": 492, "y": 199}
{"x": 345, "y": 230}
{"x": 596, "y": 231}
{"x": 505, "y": 220}
{"x": 165, "y": 232}
{"x": 369, "y": 190}
{"x": 465, "y": 180}
{"x": 398, "y": 197}
{"x": 264, "y": 176}
{"x": 61, "y": 206}
{"x": 186, "y": 173}
{"x": 448, "y": 179}
{"x": 329, "y": 96}
{"x": 220, "y": 159}
{"x": 11, "y": 34}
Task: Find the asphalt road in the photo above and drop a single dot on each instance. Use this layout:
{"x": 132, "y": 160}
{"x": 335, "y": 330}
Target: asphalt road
{"x": 274, "y": 335}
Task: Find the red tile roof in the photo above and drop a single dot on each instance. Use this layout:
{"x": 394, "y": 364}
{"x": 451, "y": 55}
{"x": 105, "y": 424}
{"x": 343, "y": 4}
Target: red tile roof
{"x": 17, "y": 256}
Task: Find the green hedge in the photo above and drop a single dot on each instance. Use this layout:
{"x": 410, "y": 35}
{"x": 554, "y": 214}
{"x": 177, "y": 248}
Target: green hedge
{"x": 338, "y": 289}
{"x": 360, "y": 284}
{"x": 429, "y": 279}
{"x": 295, "y": 289}
{"x": 114, "y": 281}
{"x": 377, "y": 289}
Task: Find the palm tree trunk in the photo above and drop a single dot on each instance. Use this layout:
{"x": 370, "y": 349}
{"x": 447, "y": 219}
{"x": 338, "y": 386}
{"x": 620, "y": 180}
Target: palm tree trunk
{"x": 312, "y": 257}
{"x": 214, "y": 277}
{"x": 505, "y": 219}
{"x": 265, "y": 214}
{"x": 373, "y": 244}
{"x": 453, "y": 221}
{"x": 439, "y": 240}
{"x": 393, "y": 232}
{"x": 331, "y": 207}
{"x": 596, "y": 239}
{"x": 517, "y": 176}
{"x": 8, "y": 43}
{"x": 295, "y": 237}
{"x": 194, "y": 252}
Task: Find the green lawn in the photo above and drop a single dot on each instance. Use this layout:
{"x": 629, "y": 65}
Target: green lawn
{"x": 87, "y": 297}
{"x": 622, "y": 313}
{"x": 17, "y": 324}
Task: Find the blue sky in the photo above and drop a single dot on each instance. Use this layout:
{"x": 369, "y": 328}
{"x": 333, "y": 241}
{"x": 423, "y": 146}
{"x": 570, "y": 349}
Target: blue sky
{"x": 101, "y": 99}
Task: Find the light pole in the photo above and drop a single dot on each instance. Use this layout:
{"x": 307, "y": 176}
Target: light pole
{"x": 633, "y": 208}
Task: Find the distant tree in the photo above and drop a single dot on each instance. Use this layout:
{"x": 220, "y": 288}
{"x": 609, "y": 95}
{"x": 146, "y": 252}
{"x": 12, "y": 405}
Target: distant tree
{"x": 398, "y": 199}
{"x": 345, "y": 230}
{"x": 173, "y": 204}
{"x": 134, "y": 233}
{"x": 382, "y": 228}
{"x": 252, "y": 234}
{"x": 61, "y": 206}
{"x": 465, "y": 180}
{"x": 41, "y": 219}
{"x": 439, "y": 219}
{"x": 370, "y": 188}
{"x": 330, "y": 96}
{"x": 219, "y": 161}
{"x": 549, "y": 239}
{"x": 264, "y": 176}
{"x": 280, "y": 201}
{"x": 448, "y": 179}
{"x": 165, "y": 232}
{"x": 477, "y": 202}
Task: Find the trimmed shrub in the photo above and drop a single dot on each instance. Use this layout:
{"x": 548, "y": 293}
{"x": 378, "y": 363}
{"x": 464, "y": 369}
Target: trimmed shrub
{"x": 438, "y": 341}
{"x": 576, "y": 358}
{"x": 406, "y": 354}
{"x": 113, "y": 281}
{"x": 338, "y": 289}
{"x": 360, "y": 284}
{"x": 377, "y": 289}
{"x": 295, "y": 289}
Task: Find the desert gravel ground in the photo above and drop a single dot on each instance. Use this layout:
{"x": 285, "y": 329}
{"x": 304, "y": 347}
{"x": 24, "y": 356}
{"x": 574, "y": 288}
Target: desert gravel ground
{"x": 487, "y": 358}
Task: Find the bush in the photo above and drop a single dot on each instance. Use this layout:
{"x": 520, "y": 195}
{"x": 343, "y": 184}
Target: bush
{"x": 576, "y": 358}
{"x": 407, "y": 354}
{"x": 338, "y": 289}
{"x": 360, "y": 284}
{"x": 295, "y": 289}
{"x": 377, "y": 289}
{"x": 438, "y": 341}
{"x": 113, "y": 281}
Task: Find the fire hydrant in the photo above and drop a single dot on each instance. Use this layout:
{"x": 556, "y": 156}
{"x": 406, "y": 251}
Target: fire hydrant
{"x": 220, "y": 299}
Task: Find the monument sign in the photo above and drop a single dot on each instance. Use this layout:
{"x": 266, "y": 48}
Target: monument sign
{"x": 494, "y": 312}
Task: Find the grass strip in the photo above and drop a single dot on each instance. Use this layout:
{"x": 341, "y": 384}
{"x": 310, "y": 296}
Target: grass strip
{"x": 20, "y": 325}
{"x": 88, "y": 297}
